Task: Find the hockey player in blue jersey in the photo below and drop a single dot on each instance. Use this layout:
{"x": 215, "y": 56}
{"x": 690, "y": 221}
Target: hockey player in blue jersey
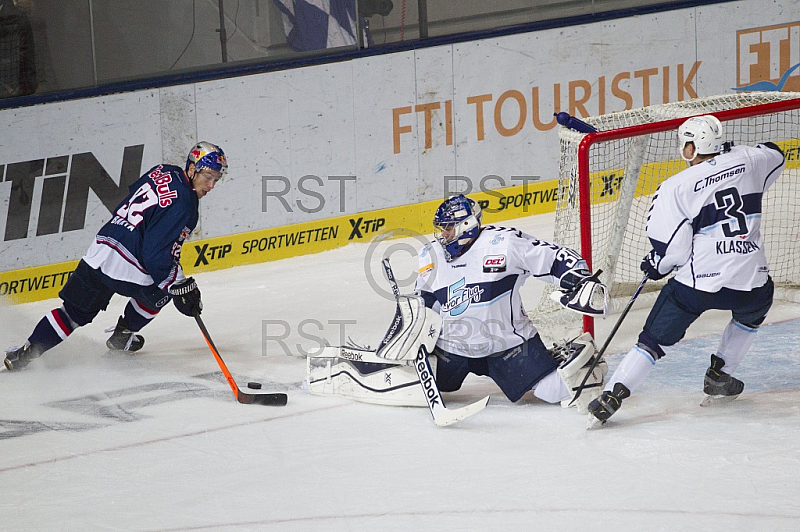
{"x": 135, "y": 254}
{"x": 704, "y": 223}
{"x": 471, "y": 275}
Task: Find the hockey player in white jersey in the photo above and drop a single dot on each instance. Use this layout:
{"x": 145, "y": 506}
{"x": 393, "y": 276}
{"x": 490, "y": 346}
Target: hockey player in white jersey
{"x": 471, "y": 275}
{"x": 704, "y": 223}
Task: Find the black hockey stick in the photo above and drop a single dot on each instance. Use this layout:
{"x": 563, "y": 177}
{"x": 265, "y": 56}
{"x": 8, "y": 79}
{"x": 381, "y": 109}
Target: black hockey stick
{"x": 602, "y": 351}
{"x": 247, "y": 398}
{"x": 441, "y": 415}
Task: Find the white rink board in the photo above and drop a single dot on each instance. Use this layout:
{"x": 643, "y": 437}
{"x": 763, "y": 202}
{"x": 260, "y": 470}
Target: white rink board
{"x": 398, "y": 123}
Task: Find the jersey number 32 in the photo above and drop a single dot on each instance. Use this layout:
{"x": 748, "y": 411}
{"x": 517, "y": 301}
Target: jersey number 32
{"x": 140, "y": 201}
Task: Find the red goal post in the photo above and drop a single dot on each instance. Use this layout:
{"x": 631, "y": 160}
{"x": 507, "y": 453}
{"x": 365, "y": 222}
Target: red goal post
{"x": 601, "y": 211}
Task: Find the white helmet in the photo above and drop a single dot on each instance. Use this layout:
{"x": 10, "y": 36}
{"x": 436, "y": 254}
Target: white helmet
{"x": 706, "y": 134}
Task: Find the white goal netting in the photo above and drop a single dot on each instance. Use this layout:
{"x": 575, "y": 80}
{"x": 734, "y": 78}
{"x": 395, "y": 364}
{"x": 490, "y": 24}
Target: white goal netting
{"x": 623, "y": 174}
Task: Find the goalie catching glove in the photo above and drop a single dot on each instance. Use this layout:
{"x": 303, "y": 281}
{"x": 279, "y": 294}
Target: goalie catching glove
{"x": 582, "y": 292}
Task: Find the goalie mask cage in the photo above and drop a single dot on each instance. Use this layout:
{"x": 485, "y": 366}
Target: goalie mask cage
{"x": 607, "y": 180}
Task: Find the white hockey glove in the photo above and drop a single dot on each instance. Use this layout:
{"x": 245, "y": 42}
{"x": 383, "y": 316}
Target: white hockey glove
{"x": 583, "y": 293}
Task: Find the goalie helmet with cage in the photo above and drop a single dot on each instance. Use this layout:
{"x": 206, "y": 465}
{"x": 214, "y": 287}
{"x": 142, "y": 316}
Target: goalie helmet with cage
{"x": 456, "y": 224}
{"x": 207, "y": 155}
{"x": 705, "y": 132}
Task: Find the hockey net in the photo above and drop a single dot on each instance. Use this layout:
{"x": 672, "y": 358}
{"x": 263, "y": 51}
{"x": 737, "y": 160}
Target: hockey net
{"x": 607, "y": 180}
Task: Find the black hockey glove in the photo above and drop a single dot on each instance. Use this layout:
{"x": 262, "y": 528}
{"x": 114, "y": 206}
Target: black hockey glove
{"x": 186, "y": 297}
{"x": 650, "y": 266}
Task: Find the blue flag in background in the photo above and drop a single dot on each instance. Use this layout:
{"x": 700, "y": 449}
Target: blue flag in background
{"x": 318, "y": 24}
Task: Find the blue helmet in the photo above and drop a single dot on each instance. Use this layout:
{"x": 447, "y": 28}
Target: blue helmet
{"x": 456, "y": 224}
{"x": 207, "y": 155}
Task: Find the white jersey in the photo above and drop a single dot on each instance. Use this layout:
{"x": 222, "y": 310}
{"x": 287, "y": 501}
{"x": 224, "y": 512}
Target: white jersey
{"x": 477, "y": 294}
{"x": 706, "y": 220}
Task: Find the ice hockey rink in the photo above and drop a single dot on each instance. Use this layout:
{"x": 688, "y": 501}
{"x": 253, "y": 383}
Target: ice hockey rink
{"x": 93, "y": 440}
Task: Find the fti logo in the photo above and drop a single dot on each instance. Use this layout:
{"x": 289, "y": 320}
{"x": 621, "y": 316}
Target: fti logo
{"x": 768, "y": 58}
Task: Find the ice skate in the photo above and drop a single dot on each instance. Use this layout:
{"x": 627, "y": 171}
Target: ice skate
{"x": 718, "y": 385}
{"x": 19, "y": 357}
{"x": 604, "y": 406}
{"x": 124, "y": 340}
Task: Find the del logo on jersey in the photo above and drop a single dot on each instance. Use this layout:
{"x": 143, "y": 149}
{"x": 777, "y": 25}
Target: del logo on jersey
{"x": 494, "y": 264}
{"x": 459, "y": 297}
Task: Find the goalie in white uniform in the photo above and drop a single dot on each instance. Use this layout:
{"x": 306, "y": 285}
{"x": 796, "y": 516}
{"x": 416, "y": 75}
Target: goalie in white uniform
{"x": 705, "y": 223}
{"x": 471, "y": 276}
{"x": 468, "y": 317}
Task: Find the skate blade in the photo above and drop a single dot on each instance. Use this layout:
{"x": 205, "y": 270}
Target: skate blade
{"x": 710, "y": 400}
{"x": 594, "y": 423}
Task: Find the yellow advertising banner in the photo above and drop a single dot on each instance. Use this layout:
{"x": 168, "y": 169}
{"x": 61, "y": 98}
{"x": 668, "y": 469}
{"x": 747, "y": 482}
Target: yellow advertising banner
{"x": 44, "y": 282}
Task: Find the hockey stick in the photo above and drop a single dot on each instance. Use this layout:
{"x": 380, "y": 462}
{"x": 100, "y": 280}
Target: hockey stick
{"x": 259, "y": 398}
{"x": 442, "y": 415}
{"x": 602, "y": 351}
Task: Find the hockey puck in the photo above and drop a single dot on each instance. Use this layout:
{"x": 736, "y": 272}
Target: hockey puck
{"x": 254, "y": 385}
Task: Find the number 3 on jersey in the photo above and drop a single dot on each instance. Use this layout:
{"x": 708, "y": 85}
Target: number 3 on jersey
{"x": 730, "y": 200}
{"x": 140, "y": 201}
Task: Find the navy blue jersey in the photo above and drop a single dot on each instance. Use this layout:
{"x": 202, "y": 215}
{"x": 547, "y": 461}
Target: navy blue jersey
{"x": 142, "y": 242}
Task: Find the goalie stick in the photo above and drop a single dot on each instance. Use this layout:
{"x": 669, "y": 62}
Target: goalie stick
{"x": 442, "y": 415}
{"x": 247, "y": 398}
{"x": 602, "y": 351}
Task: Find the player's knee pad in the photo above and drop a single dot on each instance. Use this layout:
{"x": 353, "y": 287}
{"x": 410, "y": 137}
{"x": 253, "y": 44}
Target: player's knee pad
{"x": 152, "y": 299}
{"x": 576, "y": 367}
{"x": 72, "y": 322}
{"x": 751, "y": 326}
{"x": 650, "y": 345}
{"x": 78, "y": 316}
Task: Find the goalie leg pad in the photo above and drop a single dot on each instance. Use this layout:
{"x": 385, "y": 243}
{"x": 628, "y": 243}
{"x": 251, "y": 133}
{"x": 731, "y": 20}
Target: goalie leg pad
{"x": 383, "y": 384}
{"x": 574, "y": 369}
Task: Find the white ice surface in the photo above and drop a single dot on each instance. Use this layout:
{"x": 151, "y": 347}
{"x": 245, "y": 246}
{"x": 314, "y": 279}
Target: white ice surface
{"x": 92, "y": 440}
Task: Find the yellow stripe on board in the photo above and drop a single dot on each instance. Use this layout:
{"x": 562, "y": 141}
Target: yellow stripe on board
{"x": 36, "y": 283}
{"x": 44, "y": 282}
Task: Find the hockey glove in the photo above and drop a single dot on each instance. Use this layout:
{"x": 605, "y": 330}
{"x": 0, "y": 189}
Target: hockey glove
{"x": 650, "y": 266}
{"x": 587, "y": 295}
{"x": 186, "y": 297}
